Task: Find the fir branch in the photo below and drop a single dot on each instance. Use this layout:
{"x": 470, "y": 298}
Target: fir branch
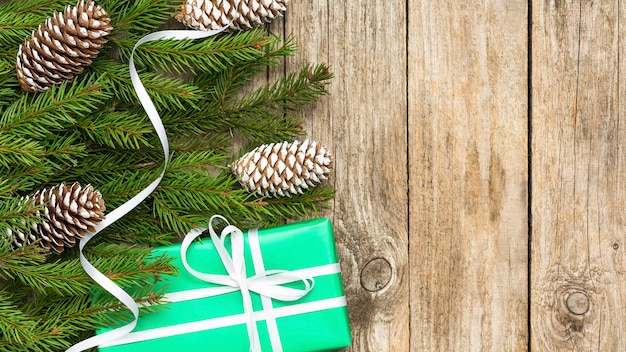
{"x": 15, "y": 326}
{"x": 194, "y": 123}
{"x": 7, "y": 192}
{"x": 260, "y": 126}
{"x": 118, "y": 190}
{"x": 128, "y": 266}
{"x": 288, "y": 93}
{"x": 41, "y": 114}
{"x": 73, "y": 311}
{"x": 117, "y": 129}
{"x": 170, "y": 93}
{"x": 139, "y": 16}
{"x": 276, "y": 50}
{"x": 65, "y": 149}
{"x": 259, "y": 114}
{"x": 184, "y": 200}
{"x": 31, "y": 163}
{"x": 87, "y": 312}
{"x": 17, "y": 150}
{"x": 44, "y": 337}
{"x": 67, "y": 277}
{"x": 216, "y": 143}
{"x": 302, "y": 205}
{"x": 183, "y": 56}
{"x": 198, "y": 160}
{"x": 267, "y": 212}
{"x": 8, "y": 85}
{"x": 137, "y": 168}
{"x": 136, "y": 228}
{"x": 24, "y": 179}
{"x": 57, "y": 317}
{"x": 101, "y": 166}
{"x": 27, "y": 265}
{"x": 165, "y": 92}
{"x": 179, "y": 221}
{"x": 226, "y": 84}
{"x": 16, "y": 215}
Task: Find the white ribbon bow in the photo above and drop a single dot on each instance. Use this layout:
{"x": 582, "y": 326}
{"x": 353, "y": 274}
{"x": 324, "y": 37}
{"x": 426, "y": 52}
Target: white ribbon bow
{"x": 266, "y": 283}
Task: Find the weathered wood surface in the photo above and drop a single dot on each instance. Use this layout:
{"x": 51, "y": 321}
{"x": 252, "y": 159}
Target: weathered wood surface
{"x": 479, "y": 169}
{"x": 578, "y": 276}
{"x": 363, "y": 122}
{"x": 468, "y": 168}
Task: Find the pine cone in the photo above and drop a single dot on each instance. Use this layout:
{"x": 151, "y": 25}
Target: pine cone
{"x": 59, "y": 50}
{"x": 282, "y": 169}
{"x": 68, "y": 212}
{"x": 237, "y": 14}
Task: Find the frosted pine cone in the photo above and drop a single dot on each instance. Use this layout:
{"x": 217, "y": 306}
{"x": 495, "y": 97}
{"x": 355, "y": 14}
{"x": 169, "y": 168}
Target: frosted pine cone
{"x": 237, "y": 14}
{"x": 69, "y": 211}
{"x": 61, "y": 48}
{"x": 283, "y": 169}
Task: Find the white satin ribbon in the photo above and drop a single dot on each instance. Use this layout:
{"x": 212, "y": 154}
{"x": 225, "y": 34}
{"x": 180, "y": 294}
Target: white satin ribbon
{"x": 231, "y": 320}
{"x": 129, "y": 205}
{"x": 198, "y": 293}
{"x": 266, "y": 283}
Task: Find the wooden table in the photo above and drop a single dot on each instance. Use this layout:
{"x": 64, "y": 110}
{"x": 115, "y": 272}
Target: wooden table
{"x": 480, "y": 169}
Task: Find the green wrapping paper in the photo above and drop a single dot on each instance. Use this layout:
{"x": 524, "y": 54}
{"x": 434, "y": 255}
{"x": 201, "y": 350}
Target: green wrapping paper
{"x": 193, "y": 322}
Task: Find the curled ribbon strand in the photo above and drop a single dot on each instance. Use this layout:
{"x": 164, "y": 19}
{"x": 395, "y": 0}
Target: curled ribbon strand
{"x": 266, "y": 283}
{"x": 129, "y": 205}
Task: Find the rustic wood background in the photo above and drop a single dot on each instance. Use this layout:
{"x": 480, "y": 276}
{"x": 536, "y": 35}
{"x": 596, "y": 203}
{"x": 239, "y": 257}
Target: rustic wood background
{"x": 480, "y": 169}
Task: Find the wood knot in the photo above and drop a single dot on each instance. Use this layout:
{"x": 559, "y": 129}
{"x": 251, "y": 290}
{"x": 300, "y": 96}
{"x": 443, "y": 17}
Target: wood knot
{"x": 571, "y": 306}
{"x": 577, "y": 303}
{"x": 376, "y": 274}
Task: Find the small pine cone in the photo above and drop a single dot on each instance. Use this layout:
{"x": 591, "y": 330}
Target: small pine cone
{"x": 237, "y": 14}
{"x": 69, "y": 211}
{"x": 59, "y": 50}
{"x": 282, "y": 169}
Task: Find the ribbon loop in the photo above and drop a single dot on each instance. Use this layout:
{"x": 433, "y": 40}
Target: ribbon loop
{"x": 267, "y": 283}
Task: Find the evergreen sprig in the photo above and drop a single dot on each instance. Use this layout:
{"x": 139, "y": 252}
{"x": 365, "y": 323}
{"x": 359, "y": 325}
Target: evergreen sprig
{"x": 138, "y": 17}
{"x": 15, "y": 325}
{"x": 213, "y": 54}
{"x": 92, "y": 130}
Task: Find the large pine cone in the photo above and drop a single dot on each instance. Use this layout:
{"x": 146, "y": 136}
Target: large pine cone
{"x": 69, "y": 211}
{"x": 59, "y": 50}
{"x": 283, "y": 169}
{"x": 237, "y": 14}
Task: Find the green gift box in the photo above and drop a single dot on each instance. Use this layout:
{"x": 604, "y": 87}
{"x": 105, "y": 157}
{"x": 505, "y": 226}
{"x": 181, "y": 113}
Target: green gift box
{"x": 288, "y": 296}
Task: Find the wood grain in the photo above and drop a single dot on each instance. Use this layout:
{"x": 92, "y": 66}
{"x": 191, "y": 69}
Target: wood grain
{"x": 363, "y": 122}
{"x": 428, "y": 119}
{"x": 468, "y": 172}
{"x": 578, "y": 295}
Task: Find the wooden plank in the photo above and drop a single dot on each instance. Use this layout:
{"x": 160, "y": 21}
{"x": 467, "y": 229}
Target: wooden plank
{"x": 468, "y": 175}
{"x": 578, "y": 276}
{"x": 363, "y": 122}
